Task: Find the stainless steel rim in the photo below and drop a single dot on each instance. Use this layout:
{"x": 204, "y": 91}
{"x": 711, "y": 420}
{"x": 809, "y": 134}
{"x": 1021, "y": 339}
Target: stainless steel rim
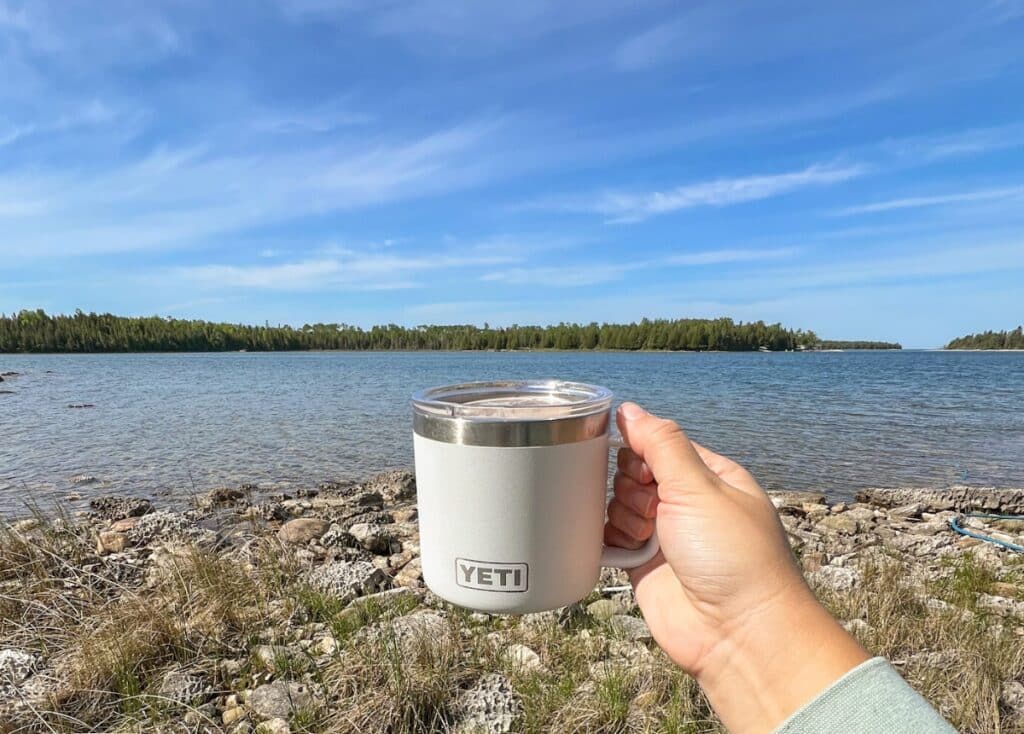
{"x": 472, "y": 414}
{"x": 510, "y": 433}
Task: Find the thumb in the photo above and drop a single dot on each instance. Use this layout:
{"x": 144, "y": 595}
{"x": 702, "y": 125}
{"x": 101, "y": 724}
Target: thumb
{"x": 663, "y": 446}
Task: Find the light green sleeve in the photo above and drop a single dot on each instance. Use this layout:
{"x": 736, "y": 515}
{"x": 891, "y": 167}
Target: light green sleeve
{"x": 870, "y": 699}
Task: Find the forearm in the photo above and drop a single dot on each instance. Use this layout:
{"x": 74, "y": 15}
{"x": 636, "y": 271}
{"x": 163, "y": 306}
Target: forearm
{"x": 776, "y": 660}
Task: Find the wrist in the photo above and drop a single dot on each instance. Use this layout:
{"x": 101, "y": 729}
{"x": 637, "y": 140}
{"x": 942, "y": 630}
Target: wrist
{"x": 775, "y": 659}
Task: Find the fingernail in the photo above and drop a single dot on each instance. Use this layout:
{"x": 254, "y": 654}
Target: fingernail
{"x": 631, "y": 411}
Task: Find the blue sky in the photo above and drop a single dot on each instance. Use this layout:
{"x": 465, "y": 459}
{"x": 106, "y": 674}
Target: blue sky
{"x": 852, "y": 168}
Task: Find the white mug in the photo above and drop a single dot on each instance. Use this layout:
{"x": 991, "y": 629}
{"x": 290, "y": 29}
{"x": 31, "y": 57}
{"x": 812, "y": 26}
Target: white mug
{"x": 511, "y": 484}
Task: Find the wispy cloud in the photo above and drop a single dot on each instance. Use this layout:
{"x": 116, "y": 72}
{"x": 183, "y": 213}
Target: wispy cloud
{"x": 719, "y": 257}
{"x": 912, "y": 202}
{"x": 563, "y": 276}
{"x": 623, "y": 207}
{"x": 179, "y": 197}
{"x": 973, "y": 141}
{"x": 349, "y": 271}
{"x": 666, "y": 41}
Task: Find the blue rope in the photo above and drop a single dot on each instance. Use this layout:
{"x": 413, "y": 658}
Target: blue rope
{"x": 955, "y": 524}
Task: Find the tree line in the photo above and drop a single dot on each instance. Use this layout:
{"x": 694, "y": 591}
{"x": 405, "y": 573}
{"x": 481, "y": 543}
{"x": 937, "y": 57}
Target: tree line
{"x": 990, "y": 340}
{"x": 833, "y": 344}
{"x": 37, "y": 331}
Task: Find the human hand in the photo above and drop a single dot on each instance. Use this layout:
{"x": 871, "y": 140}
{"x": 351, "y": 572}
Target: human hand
{"x": 724, "y": 597}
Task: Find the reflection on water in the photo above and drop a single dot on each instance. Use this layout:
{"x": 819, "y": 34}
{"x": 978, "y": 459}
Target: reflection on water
{"x": 169, "y": 424}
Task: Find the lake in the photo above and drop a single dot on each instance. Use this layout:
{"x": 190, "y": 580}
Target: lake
{"x": 169, "y": 425}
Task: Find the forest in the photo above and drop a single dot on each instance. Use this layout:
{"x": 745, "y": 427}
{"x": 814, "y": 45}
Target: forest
{"x": 990, "y": 340}
{"x": 37, "y": 331}
{"x": 833, "y": 344}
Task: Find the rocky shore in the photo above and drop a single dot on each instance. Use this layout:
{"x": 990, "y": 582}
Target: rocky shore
{"x": 308, "y": 612}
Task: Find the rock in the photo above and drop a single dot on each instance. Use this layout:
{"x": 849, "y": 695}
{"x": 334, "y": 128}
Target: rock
{"x": 910, "y": 510}
{"x": 26, "y": 525}
{"x": 837, "y": 524}
{"x": 111, "y": 541}
{"x": 167, "y": 525}
{"x": 423, "y": 628}
{"x": 395, "y": 485}
{"x": 279, "y": 700}
{"x": 794, "y": 501}
{"x": 183, "y": 689}
{"x": 81, "y": 405}
{"x": 348, "y": 579}
{"x": 16, "y": 666}
{"x": 522, "y": 658}
{"x": 837, "y": 578}
{"x": 379, "y": 539}
{"x": 83, "y": 479}
{"x": 1001, "y": 605}
{"x": 123, "y": 526}
{"x": 302, "y": 530}
{"x": 220, "y": 497}
{"x": 858, "y": 627}
{"x": 604, "y": 609}
{"x": 326, "y": 645}
{"x": 961, "y": 498}
{"x": 273, "y": 726}
{"x": 113, "y": 507}
{"x": 411, "y": 574}
{"x": 605, "y": 669}
{"x": 231, "y": 715}
{"x": 490, "y": 706}
{"x": 1011, "y": 699}
{"x": 271, "y": 655}
{"x": 636, "y": 652}
{"x": 630, "y": 627}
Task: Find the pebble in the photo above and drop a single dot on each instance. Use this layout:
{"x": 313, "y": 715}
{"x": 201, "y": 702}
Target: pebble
{"x": 273, "y": 726}
{"x": 302, "y": 530}
{"x": 629, "y": 627}
{"x": 279, "y": 700}
{"x": 604, "y": 609}
{"x": 522, "y": 658}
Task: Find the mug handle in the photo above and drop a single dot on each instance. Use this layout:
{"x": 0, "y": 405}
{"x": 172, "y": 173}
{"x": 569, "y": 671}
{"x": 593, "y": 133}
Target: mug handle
{"x": 614, "y": 557}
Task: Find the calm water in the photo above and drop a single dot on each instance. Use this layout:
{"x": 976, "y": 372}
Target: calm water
{"x": 165, "y": 423}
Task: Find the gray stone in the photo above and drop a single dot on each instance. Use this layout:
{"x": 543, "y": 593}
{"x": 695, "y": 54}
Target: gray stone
{"x": 114, "y": 507}
{"x": 302, "y": 530}
{"x": 961, "y": 498}
{"x": 83, "y": 479}
{"x": 379, "y": 539}
{"x": 395, "y": 485}
{"x": 909, "y": 510}
{"x": 16, "y": 665}
{"x": 522, "y": 658}
{"x": 858, "y": 627}
{"x": 490, "y": 706}
{"x": 183, "y": 689}
{"x": 837, "y": 524}
{"x": 348, "y": 579}
{"x": 273, "y": 726}
{"x": 794, "y": 501}
{"x": 630, "y": 627}
{"x": 1001, "y": 605}
{"x": 422, "y": 628}
{"x": 167, "y": 525}
{"x": 605, "y": 609}
{"x": 838, "y": 578}
{"x": 1011, "y": 699}
{"x": 279, "y": 700}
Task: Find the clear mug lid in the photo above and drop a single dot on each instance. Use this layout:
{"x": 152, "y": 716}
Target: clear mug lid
{"x": 513, "y": 400}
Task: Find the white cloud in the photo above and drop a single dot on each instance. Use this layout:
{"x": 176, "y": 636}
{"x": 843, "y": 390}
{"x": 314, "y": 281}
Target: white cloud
{"x": 913, "y": 202}
{"x": 177, "y": 198}
{"x": 561, "y": 276}
{"x": 718, "y": 257}
{"x": 698, "y": 31}
{"x": 345, "y": 271}
{"x": 622, "y": 207}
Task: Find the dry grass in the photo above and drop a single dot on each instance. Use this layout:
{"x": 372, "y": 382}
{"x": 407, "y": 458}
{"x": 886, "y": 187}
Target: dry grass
{"x": 111, "y": 634}
{"x": 957, "y": 657}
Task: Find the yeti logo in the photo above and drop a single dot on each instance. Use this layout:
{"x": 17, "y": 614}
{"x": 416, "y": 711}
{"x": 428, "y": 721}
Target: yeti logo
{"x": 490, "y": 576}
